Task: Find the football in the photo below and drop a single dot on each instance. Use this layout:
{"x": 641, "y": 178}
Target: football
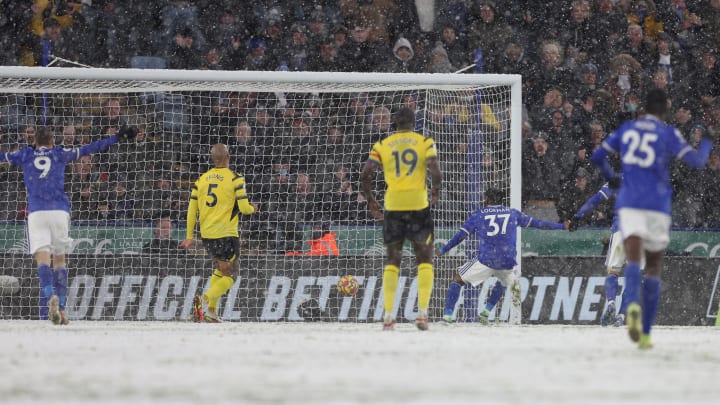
{"x": 348, "y": 285}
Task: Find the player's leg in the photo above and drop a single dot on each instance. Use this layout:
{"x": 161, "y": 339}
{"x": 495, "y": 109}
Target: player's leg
{"x": 425, "y": 277}
{"x": 633, "y": 281}
{"x": 651, "y": 295}
{"x": 474, "y": 273}
{"x": 60, "y": 284}
{"x": 40, "y": 243}
{"x": 225, "y": 252}
{"x": 453, "y": 294}
{"x": 391, "y": 275}
{"x": 504, "y": 279}
{"x": 393, "y": 238}
{"x": 613, "y": 262}
{"x": 422, "y": 242}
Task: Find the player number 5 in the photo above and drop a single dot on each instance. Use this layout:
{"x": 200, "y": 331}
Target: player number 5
{"x": 43, "y": 163}
{"x": 639, "y": 143}
{"x": 212, "y": 195}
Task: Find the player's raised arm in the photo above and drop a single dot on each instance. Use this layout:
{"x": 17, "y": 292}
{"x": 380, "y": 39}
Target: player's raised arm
{"x": 694, "y": 158}
{"x": 125, "y": 134}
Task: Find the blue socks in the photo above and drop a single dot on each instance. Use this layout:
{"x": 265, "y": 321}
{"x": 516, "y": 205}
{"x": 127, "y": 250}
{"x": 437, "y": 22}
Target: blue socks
{"x": 451, "y": 298}
{"x": 46, "y": 288}
{"x": 651, "y": 298}
{"x": 497, "y": 293}
{"x": 60, "y": 281}
{"x": 611, "y": 287}
{"x": 633, "y": 281}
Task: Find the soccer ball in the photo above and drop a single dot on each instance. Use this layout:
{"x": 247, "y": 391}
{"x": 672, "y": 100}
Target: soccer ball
{"x": 348, "y": 285}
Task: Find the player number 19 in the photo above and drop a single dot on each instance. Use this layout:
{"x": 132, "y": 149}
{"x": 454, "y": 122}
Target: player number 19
{"x": 408, "y": 157}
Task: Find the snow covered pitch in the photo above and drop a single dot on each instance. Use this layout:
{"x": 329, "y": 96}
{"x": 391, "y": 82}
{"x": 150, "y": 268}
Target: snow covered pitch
{"x": 158, "y": 362}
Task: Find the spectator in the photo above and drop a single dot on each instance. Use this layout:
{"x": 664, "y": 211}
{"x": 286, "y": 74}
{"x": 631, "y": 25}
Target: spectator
{"x": 122, "y": 201}
{"x": 549, "y": 74}
{"x": 361, "y": 53}
{"x": 68, "y": 137}
{"x": 579, "y": 37}
{"x": 402, "y": 60}
{"x": 587, "y": 84}
{"x": 456, "y": 47}
{"x": 668, "y": 60}
{"x": 439, "y": 61}
{"x": 183, "y": 55}
{"x": 325, "y": 58}
{"x": 27, "y": 136}
{"x": 541, "y": 181}
{"x": 109, "y": 122}
{"x": 489, "y": 33}
{"x": 258, "y": 59}
{"x": 249, "y": 157}
{"x": 163, "y": 242}
{"x": 296, "y": 51}
{"x": 273, "y": 38}
{"x": 574, "y": 196}
{"x": 317, "y": 28}
{"x": 710, "y": 214}
{"x": 514, "y": 61}
{"x": 54, "y": 42}
{"x": 644, "y": 14}
{"x": 339, "y": 36}
{"x": 637, "y": 46}
{"x": 376, "y": 15}
{"x": 213, "y": 60}
{"x": 608, "y": 24}
{"x": 705, "y": 79}
{"x": 688, "y": 186}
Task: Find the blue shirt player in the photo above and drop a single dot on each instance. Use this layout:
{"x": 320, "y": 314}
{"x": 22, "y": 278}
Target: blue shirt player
{"x": 49, "y": 218}
{"x": 646, "y": 147}
{"x": 495, "y": 228}
{"x": 614, "y": 260}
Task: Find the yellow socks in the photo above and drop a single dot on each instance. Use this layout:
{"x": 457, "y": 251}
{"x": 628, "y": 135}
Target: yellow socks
{"x": 390, "y": 282}
{"x": 424, "y": 285}
{"x": 219, "y": 285}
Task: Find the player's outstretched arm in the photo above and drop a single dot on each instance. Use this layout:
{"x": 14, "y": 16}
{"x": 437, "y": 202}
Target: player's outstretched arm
{"x": 454, "y": 241}
{"x": 599, "y": 159}
{"x": 602, "y": 195}
{"x": 125, "y": 134}
{"x": 698, "y": 158}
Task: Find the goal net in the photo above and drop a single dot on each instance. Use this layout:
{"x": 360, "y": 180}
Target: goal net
{"x": 300, "y": 140}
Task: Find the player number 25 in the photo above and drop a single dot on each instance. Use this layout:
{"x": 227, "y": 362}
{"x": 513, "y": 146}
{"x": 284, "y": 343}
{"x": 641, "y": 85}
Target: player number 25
{"x": 494, "y": 227}
{"x": 408, "y": 157}
{"x": 639, "y": 143}
{"x": 42, "y": 163}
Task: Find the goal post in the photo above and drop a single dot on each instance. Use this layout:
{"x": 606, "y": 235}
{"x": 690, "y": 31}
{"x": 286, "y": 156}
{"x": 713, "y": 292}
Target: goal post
{"x": 299, "y": 138}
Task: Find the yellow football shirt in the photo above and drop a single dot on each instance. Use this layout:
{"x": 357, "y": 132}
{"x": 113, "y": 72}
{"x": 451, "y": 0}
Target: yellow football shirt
{"x": 403, "y": 157}
{"x": 218, "y": 196}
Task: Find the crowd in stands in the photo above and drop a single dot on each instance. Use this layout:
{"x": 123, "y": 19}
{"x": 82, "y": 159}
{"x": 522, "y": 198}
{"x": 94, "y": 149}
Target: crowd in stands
{"x": 586, "y": 66}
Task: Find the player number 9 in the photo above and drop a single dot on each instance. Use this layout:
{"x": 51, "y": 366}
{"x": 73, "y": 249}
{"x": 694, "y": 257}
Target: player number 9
{"x": 43, "y": 163}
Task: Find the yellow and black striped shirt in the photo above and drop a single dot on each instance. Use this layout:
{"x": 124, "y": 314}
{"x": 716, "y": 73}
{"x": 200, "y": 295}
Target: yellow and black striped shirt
{"x": 218, "y": 196}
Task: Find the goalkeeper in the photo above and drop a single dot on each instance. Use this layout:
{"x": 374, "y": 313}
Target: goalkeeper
{"x": 218, "y": 196}
{"x": 494, "y": 226}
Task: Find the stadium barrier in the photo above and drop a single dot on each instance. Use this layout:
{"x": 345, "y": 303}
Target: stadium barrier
{"x": 272, "y": 288}
{"x": 129, "y": 238}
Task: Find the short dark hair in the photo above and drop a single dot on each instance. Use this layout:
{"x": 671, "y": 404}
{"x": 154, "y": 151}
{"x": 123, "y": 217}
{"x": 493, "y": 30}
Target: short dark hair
{"x": 44, "y": 136}
{"x": 494, "y": 196}
{"x": 405, "y": 119}
{"x": 656, "y": 102}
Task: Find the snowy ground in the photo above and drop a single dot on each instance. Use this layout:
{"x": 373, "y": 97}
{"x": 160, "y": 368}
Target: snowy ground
{"x": 154, "y": 362}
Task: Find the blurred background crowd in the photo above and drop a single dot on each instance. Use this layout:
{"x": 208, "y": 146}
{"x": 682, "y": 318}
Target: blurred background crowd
{"x": 586, "y": 66}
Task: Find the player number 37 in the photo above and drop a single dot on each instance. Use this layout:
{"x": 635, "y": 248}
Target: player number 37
{"x": 639, "y": 151}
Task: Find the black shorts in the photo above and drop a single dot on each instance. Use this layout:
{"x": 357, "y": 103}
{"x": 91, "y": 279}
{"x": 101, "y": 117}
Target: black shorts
{"x": 225, "y": 249}
{"x": 412, "y": 225}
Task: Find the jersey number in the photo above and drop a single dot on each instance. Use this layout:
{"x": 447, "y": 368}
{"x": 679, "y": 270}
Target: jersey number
{"x": 494, "y": 227}
{"x": 408, "y": 157}
{"x": 637, "y": 142}
{"x": 211, "y": 195}
{"x": 43, "y": 163}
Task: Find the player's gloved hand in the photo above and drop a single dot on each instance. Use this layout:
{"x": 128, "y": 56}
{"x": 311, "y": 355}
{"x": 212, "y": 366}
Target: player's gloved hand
{"x": 709, "y": 134}
{"x": 438, "y": 253}
{"x": 614, "y": 183}
{"x": 127, "y": 133}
